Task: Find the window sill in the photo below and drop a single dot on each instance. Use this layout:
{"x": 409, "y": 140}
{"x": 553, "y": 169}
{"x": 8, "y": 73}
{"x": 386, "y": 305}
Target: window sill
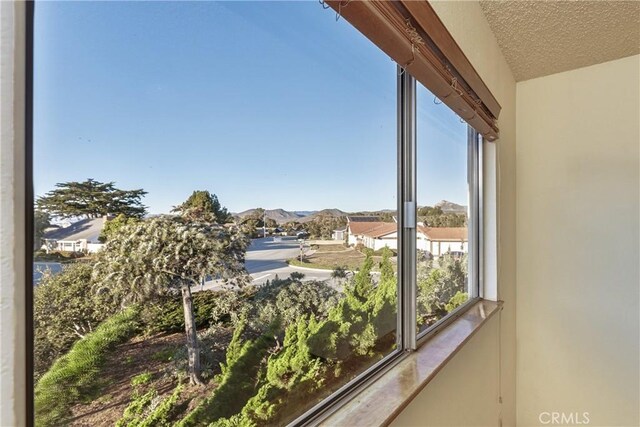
{"x": 383, "y": 400}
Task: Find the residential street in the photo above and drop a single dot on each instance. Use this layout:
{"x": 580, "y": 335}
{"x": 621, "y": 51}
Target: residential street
{"x": 265, "y": 259}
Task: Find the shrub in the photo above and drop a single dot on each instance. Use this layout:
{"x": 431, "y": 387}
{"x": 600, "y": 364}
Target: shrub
{"x": 286, "y": 301}
{"x": 147, "y": 410}
{"x": 296, "y": 276}
{"x": 141, "y": 379}
{"x": 238, "y": 381}
{"x": 65, "y": 310}
{"x": 339, "y": 272}
{"x": 456, "y": 301}
{"x": 166, "y": 313}
{"x": 437, "y": 286}
{"x": 76, "y": 375}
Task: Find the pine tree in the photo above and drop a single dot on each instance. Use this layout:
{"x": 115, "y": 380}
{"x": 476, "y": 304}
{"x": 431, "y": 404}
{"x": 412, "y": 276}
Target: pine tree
{"x": 91, "y": 199}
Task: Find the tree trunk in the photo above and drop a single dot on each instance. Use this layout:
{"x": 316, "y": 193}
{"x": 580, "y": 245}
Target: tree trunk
{"x": 192, "y": 338}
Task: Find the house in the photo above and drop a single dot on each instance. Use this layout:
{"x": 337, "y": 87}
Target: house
{"x": 81, "y": 236}
{"x": 372, "y": 234}
{"x": 440, "y": 240}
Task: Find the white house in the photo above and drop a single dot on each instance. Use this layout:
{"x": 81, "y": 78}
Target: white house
{"x": 81, "y": 236}
{"x": 440, "y": 240}
{"x": 435, "y": 240}
{"x": 373, "y": 234}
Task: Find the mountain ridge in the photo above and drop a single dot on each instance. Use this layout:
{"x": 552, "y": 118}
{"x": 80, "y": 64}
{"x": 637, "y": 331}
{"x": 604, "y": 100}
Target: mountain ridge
{"x": 282, "y": 216}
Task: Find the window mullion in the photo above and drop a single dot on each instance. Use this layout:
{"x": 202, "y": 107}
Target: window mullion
{"x": 407, "y": 210}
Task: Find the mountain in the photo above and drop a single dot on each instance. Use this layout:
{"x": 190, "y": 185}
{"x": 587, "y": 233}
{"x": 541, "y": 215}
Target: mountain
{"x": 450, "y": 207}
{"x": 324, "y": 212}
{"x": 304, "y": 213}
{"x": 281, "y": 216}
{"x": 278, "y": 215}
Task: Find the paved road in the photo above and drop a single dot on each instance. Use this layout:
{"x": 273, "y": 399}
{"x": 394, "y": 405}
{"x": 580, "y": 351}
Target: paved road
{"x": 266, "y": 258}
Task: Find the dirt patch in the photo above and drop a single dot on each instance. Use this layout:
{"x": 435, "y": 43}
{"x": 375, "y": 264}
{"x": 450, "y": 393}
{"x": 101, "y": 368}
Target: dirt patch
{"x": 348, "y": 258}
{"x": 128, "y": 360}
{"x": 331, "y": 248}
{"x": 154, "y": 355}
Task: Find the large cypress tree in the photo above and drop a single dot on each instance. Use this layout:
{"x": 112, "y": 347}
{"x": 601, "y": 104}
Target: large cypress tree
{"x": 154, "y": 256}
{"x": 91, "y": 199}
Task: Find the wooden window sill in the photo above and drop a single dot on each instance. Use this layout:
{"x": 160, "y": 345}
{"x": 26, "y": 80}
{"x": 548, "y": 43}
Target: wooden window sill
{"x": 383, "y": 400}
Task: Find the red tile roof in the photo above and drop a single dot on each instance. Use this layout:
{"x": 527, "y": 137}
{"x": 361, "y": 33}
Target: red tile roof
{"x": 445, "y": 234}
{"x": 372, "y": 229}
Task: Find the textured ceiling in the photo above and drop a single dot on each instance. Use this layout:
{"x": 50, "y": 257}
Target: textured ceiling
{"x": 539, "y": 38}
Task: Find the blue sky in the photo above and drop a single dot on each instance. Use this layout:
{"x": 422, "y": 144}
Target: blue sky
{"x": 270, "y": 104}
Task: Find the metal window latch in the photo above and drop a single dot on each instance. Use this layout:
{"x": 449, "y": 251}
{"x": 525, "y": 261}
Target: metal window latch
{"x": 409, "y": 214}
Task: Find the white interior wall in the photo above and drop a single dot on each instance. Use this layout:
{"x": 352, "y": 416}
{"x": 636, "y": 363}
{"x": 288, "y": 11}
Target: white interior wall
{"x": 578, "y": 244}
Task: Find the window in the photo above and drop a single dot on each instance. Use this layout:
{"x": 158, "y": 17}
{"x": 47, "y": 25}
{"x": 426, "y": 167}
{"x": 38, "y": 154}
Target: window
{"x": 258, "y": 191}
{"x": 447, "y": 211}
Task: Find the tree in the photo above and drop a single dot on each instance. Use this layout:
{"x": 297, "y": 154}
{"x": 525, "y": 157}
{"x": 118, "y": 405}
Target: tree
{"x": 166, "y": 254}
{"x": 252, "y": 221}
{"x": 435, "y": 217}
{"x": 204, "y": 206}
{"x": 91, "y": 199}
{"x": 113, "y": 225}
{"x": 41, "y": 220}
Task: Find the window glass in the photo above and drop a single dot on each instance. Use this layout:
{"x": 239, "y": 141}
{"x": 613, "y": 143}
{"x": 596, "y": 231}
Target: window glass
{"x": 216, "y": 193}
{"x": 442, "y": 233}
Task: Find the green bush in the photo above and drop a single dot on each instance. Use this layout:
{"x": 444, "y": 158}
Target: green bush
{"x": 141, "y": 379}
{"x": 339, "y": 272}
{"x": 285, "y": 301}
{"x": 64, "y": 310}
{"x": 437, "y": 286}
{"x": 456, "y": 301}
{"x": 238, "y": 381}
{"x": 145, "y": 410}
{"x": 76, "y": 376}
{"x": 166, "y": 313}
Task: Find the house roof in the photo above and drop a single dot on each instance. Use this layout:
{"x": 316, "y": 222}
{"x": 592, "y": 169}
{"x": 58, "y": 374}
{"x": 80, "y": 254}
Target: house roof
{"x": 88, "y": 229}
{"x": 445, "y": 234}
{"x": 372, "y": 229}
{"x": 361, "y": 218}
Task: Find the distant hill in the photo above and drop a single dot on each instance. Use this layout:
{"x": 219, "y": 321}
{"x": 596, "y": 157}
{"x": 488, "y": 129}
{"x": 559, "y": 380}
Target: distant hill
{"x": 450, "y": 207}
{"x": 324, "y": 212}
{"x": 281, "y": 216}
{"x": 278, "y": 215}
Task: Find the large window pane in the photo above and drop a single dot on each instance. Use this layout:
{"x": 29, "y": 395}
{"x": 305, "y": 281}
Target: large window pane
{"x": 442, "y": 235}
{"x": 216, "y": 235}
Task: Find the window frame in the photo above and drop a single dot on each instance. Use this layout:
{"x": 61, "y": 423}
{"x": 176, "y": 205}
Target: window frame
{"x": 407, "y": 337}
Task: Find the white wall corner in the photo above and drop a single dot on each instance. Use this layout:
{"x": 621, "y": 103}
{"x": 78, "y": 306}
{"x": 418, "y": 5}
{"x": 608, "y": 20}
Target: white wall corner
{"x": 12, "y": 214}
